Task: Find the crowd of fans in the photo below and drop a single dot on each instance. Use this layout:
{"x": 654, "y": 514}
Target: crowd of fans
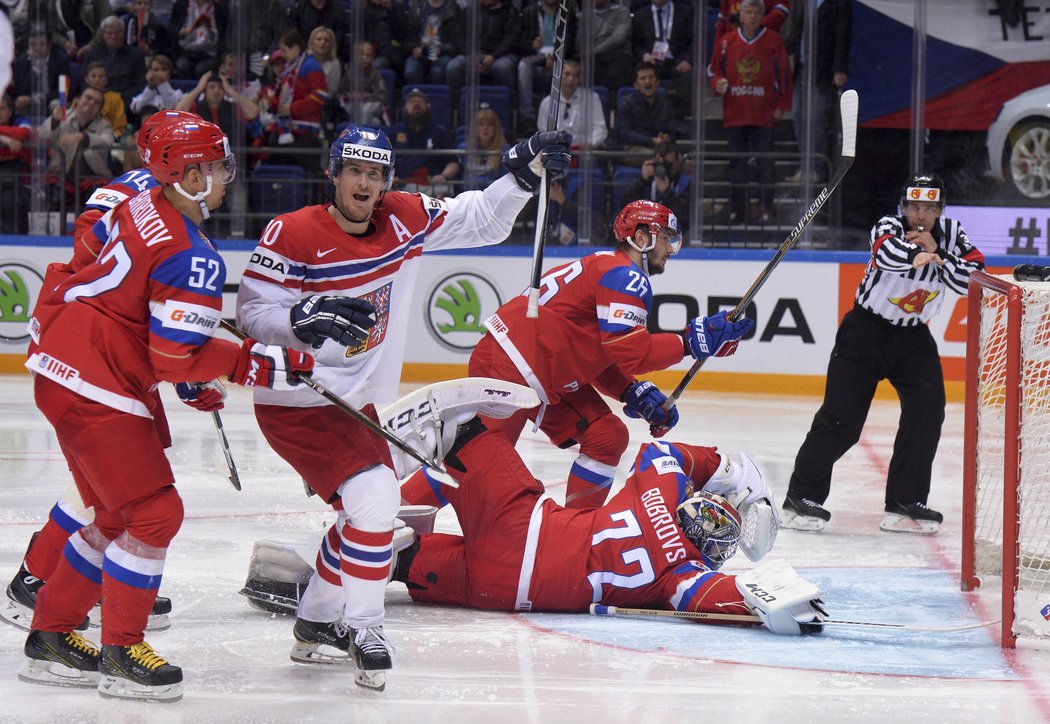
{"x": 298, "y": 82}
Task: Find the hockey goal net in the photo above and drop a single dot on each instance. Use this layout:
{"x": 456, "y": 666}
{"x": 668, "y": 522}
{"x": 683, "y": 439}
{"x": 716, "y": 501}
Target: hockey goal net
{"x": 1006, "y": 500}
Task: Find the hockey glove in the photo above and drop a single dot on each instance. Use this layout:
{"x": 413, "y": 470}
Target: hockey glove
{"x": 203, "y": 396}
{"x": 270, "y": 366}
{"x": 644, "y": 400}
{"x": 786, "y": 602}
{"x": 344, "y": 319}
{"x": 546, "y": 150}
{"x": 715, "y": 335}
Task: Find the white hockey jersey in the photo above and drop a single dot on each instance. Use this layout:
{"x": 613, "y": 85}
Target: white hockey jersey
{"x": 905, "y": 296}
{"x": 305, "y": 252}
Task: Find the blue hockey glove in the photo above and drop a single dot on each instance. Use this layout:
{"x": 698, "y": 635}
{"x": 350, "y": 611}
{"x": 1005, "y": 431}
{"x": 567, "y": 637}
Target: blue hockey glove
{"x": 644, "y": 400}
{"x": 344, "y": 319}
{"x": 546, "y": 150}
{"x": 715, "y": 335}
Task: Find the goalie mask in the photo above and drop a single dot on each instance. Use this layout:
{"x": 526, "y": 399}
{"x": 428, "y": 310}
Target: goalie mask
{"x": 712, "y": 525}
{"x": 657, "y": 219}
{"x": 924, "y": 187}
{"x": 358, "y": 143}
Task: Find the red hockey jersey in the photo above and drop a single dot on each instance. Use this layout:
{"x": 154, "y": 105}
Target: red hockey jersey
{"x": 145, "y": 311}
{"x": 592, "y": 317}
{"x": 759, "y": 77}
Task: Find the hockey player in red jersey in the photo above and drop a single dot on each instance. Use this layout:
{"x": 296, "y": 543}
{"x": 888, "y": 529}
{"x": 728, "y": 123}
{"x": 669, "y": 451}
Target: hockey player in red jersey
{"x": 149, "y": 306}
{"x": 591, "y": 337}
{"x": 69, "y": 513}
{"x": 337, "y": 280}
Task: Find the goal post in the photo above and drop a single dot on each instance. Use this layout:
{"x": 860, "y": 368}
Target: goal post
{"x": 1006, "y": 474}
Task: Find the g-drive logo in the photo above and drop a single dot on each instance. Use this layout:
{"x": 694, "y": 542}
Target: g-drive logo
{"x": 367, "y": 153}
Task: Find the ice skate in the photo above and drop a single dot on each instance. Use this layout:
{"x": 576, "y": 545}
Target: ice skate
{"x": 138, "y": 672}
{"x": 372, "y": 655}
{"x": 60, "y": 659}
{"x": 914, "y": 518}
{"x": 21, "y": 600}
{"x": 158, "y": 618}
{"x": 427, "y": 419}
{"x": 803, "y": 514}
{"x": 321, "y": 643}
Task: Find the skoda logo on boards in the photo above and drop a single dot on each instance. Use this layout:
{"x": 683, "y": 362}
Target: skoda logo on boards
{"x": 19, "y": 288}
{"x": 457, "y": 307}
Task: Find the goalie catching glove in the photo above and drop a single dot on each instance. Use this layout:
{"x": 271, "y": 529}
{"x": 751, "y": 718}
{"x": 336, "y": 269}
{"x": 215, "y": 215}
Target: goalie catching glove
{"x": 787, "y": 603}
{"x": 270, "y": 365}
{"x": 347, "y": 320}
{"x": 741, "y": 482}
{"x": 546, "y": 150}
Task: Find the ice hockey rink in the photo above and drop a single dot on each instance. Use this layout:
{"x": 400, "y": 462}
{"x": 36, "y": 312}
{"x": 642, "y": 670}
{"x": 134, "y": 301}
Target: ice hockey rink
{"x": 456, "y": 665}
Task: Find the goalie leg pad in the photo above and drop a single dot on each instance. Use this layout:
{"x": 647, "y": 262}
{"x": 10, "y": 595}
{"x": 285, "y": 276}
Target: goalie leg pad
{"x": 277, "y": 577}
{"x": 787, "y": 603}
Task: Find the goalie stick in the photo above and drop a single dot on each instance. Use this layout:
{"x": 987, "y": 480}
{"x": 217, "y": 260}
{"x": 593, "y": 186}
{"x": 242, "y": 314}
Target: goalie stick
{"x": 598, "y": 609}
{"x": 348, "y": 408}
{"x": 540, "y": 239}
{"x": 848, "y": 108}
{"x": 234, "y": 478}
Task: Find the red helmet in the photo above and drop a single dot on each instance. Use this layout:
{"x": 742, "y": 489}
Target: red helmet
{"x": 159, "y": 120}
{"x": 181, "y": 143}
{"x": 656, "y": 218}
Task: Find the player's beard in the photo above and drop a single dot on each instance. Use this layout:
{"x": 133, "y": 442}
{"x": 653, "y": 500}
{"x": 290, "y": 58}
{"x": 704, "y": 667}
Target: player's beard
{"x": 365, "y": 218}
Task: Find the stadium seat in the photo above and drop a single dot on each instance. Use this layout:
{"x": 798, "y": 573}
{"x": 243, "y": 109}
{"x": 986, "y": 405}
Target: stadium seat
{"x": 440, "y": 102}
{"x": 498, "y": 98}
{"x": 623, "y": 177}
{"x": 277, "y": 189}
{"x": 574, "y": 181}
{"x": 390, "y": 80}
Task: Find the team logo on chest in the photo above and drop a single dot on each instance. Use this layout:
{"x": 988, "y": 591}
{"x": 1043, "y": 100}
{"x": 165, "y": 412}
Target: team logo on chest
{"x": 913, "y": 302}
{"x": 380, "y": 299}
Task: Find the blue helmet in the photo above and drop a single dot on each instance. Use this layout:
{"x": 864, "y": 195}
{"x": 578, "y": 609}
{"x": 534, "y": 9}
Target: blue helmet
{"x": 362, "y": 144}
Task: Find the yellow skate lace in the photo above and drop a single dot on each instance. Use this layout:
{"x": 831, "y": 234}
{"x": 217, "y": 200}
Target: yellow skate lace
{"x": 81, "y": 644}
{"x": 144, "y": 654}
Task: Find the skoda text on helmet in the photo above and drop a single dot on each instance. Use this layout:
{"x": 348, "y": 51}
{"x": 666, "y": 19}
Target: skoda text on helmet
{"x": 656, "y": 218}
{"x": 180, "y": 144}
{"x": 157, "y": 121}
{"x": 359, "y": 143}
{"x": 924, "y": 187}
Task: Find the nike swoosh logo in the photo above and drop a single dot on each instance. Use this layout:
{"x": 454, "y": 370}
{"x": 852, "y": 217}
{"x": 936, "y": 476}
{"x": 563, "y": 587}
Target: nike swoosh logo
{"x": 325, "y": 253}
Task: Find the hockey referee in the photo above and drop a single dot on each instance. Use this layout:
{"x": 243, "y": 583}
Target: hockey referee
{"x": 916, "y": 257}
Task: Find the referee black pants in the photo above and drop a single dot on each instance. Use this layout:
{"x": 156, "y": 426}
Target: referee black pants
{"x": 869, "y": 349}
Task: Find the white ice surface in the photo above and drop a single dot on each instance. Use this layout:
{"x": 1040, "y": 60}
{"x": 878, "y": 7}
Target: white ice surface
{"x": 456, "y": 665}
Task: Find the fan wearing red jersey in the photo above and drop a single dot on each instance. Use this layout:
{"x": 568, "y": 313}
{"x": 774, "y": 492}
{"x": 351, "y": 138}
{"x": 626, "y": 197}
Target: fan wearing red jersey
{"x": 591, "y": 338}
{"x": 149, "y": 305}
{"x": 338, "y": 280}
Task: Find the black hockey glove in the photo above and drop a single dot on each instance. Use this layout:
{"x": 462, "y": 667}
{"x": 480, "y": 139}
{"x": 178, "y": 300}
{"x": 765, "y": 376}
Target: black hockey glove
{"x": 546, "y": 150}
{"x": 344, "y": 319}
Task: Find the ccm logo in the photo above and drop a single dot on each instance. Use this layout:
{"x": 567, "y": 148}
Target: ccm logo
{"x": 181, "y": 315}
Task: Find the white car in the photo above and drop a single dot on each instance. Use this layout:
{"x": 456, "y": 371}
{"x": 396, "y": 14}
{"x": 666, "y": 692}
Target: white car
{"x": 1019, "y": 143}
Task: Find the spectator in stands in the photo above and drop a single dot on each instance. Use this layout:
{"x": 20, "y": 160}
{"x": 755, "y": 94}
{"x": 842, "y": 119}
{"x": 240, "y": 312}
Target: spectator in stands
{"x": 664, "y": 182}
{"x": 112, "y": 104}
{"x": 37, "y": 69}
{"x": 14, "y": 165}
{"x": 365, "y": 105}
{"x": 300, "y": 96}
{"x": 248, "y": 89}
{"x": 749, "y": 68}
{"x": 386, "y": 24}
{"x": 579, "y": 111}
{"x": 611, "y": 35}
{"x": 209, "y": 100}
{"x": 481, "y": 164}
{"x": 305, "y": 15}
{"x": 323, "y": 46}
{"x": 81, "y": 144}
{"x": 435, "y": 32}
{"x": 74, "y": 23}
{"x": 125, "y": 66}
{"x": 834, "y": 36}
{"x": 776, "y": 11}
{"x": 424, "y": 172}
{"x": 198, "y": 31}
{"x": 644, "y": 119}
{"x": 158, "y": 92}
{"x": 498, "y": 37}
{"x": 538, "y": 21}
{"x": 144, "y": 30}
{"x": 662, "y": 34}
{"x": 264, "y": 23}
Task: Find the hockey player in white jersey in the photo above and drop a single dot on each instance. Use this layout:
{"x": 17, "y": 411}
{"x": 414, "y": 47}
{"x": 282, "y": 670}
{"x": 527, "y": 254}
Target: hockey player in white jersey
{"x": 337, "y": 280}
{"x": 916, "y": 257}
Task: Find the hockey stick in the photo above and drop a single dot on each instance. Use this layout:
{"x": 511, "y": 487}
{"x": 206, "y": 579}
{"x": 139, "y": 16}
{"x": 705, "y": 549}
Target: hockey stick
{"x": 599, "y": 610}
{"x": 848, "y": 107}
{"x": 234, "y": 478}
{"x": 348, "y": 408}
{"x": 540, "y": 239}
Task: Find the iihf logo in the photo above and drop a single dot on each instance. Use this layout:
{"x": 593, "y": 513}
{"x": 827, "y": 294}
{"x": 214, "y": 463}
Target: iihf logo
{"x": 1046, "y": 612}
